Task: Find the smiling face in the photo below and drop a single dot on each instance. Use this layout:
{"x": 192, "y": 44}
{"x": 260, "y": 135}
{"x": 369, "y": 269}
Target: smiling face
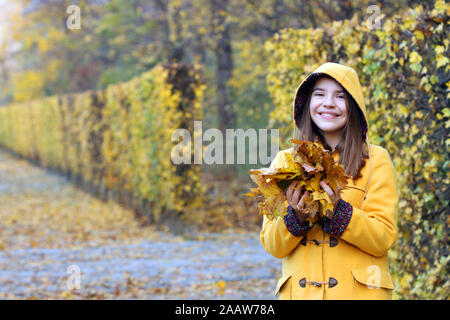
{"x": 328, "y": 109}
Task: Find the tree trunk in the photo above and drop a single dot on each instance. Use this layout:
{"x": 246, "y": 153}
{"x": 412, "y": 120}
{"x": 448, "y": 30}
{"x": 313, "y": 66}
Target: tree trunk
{"x": 175, "y": 50}
{"x": 346, "y": 9}
{"x": 224, "y": 63}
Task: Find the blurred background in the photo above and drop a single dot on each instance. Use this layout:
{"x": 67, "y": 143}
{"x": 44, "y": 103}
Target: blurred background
{"x": 77, "y": 78}
{"x": 117, "y": 40}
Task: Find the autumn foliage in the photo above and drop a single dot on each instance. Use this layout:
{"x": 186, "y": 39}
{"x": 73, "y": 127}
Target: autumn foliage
{"x": 404, "y": 69}
{"x": 116, "y": 142}
{"x": 308, "y": 164}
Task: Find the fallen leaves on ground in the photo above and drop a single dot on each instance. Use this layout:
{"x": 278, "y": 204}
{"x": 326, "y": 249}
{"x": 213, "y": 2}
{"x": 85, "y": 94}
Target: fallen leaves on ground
{"x": 47, "y": 224}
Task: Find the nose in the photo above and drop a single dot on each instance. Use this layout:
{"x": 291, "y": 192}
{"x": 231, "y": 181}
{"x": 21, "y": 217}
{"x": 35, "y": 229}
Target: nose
{"x": 329, "y": 101}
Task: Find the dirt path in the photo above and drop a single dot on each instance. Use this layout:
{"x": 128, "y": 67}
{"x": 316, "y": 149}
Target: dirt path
{"x": 58, "y": 242}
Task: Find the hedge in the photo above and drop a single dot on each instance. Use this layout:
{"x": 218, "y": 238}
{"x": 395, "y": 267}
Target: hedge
{"x": 404, "y": 68}
{"x": 117, "y": 142}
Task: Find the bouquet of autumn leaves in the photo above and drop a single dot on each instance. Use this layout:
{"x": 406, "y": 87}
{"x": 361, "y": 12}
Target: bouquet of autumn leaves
{"x": 309, "y": 165}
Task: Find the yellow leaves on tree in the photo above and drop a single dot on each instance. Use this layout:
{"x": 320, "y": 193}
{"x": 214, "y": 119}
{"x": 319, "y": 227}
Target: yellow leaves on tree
{"x": 308, "y": 164}
{"x": 28, "y": 85}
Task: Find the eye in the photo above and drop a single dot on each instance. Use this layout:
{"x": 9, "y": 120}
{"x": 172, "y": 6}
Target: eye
{"x": 341, "y": 96}
{"x": 318, "y": 94}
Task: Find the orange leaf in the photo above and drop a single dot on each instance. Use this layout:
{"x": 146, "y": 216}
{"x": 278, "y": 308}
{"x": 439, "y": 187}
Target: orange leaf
{"x": 309, "y": 164}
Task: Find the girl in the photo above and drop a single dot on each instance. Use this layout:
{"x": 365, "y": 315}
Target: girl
{"x": 344, "y": 257}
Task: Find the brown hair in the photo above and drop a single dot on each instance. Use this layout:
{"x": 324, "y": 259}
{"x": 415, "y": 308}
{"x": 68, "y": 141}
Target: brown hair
{"x": 352, "y": 148}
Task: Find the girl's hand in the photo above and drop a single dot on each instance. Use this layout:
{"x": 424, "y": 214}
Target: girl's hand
{"x": 295, "y": 200}
{"x": 333, "y": 197}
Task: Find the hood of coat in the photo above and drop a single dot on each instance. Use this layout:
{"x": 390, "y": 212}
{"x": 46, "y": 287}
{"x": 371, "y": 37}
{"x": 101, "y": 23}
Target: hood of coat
{"x": 344, "y": 75}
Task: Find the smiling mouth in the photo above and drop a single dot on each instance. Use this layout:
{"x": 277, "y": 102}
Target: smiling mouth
{"x": 327, "y": 115}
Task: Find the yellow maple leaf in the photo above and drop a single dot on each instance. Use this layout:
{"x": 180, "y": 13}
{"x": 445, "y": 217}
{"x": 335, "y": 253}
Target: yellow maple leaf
{"x": 273, "y": 197}
{"x": 308, "y": 164}
{"x": 221, "y": 284}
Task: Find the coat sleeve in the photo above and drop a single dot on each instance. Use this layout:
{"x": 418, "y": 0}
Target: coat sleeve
{"x": 275, "y": 237}
{"x": 373, "y": 228}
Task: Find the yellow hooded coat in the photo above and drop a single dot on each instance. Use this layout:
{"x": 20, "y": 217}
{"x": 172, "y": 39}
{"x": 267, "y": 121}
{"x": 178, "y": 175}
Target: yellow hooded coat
{"x": 354, "y": 265}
